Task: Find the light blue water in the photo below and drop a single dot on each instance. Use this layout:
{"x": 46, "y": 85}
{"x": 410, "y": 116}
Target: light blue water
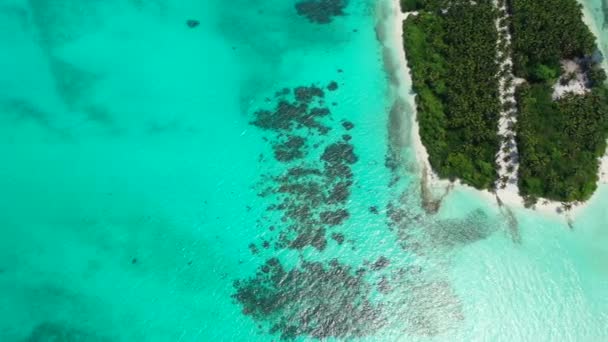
{"x": 131, "y": 176}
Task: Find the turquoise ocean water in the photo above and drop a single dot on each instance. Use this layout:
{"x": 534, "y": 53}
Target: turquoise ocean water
{"x": 147, "y": 196}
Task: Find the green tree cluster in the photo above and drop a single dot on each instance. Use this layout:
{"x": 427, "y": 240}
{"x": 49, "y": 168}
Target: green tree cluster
{"x": 544, "y": 32}
{"x": 559, "y": 141}
{"x": 417, "y": 5}
{"x": 451, "y": 51}
{"x": 411, "y": 5}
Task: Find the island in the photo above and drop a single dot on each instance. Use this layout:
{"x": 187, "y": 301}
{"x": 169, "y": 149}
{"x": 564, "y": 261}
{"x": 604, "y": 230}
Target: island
{"x": 563, "y": 105}
{"x": 509, "y": 94}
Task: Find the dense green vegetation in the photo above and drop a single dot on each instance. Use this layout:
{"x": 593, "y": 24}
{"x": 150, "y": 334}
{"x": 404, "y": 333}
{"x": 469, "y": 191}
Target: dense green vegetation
{"x": 452, "y": 57}
{"x": 559, "y": 141}
{"x": 412, "y": 5}
{"x": 451, "y": 49}
{"x": 545, "y": 32}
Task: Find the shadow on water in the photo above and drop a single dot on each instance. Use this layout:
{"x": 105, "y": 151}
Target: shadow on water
{"x": 277, "y": 35}
{"x": 52, "y": 26}
{"x": 511, "y": 219}
{"x": 51, "y": 331}
{"x": 21, "y": 111}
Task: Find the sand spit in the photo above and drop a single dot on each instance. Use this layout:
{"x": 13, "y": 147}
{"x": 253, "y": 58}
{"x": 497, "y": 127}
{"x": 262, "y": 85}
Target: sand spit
{"x": 507, "y": 158}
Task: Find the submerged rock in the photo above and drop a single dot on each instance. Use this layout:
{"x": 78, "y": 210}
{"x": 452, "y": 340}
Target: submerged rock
{"x": 192, "y": 23}
{"x": 313, "y": 300}
{"x": 333, "y": 85}
{"x": 321, "y": 11}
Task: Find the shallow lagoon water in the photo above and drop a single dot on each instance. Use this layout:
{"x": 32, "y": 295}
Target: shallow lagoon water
{"x": 132, "y": 173}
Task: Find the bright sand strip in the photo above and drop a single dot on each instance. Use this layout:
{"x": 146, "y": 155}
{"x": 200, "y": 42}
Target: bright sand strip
{"x": 404, "y": 90}
{"x": 509, "y": 196}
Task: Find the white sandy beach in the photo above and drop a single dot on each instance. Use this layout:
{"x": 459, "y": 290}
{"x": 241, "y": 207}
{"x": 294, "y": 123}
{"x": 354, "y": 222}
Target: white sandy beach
{"x": 404, "y": 91}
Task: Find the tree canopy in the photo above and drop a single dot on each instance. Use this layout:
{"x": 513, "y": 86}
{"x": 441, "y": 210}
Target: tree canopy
{"x": 560, "y": 140}
{"x": 452, "y": 56}
{"x": 451, "y": 46}
{"x": 545, "y": 32}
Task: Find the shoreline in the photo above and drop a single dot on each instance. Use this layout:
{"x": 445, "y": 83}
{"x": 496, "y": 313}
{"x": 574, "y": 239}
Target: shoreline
{"x": 595, "y": 28}
{"x": 508, "y": 197}
{"x": 429, "y": 179}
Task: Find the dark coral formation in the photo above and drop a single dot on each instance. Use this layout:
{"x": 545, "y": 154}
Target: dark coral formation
{"x": 290, "y": 149}
{"x": 290, "y": 115}
{"x": 335, "y": 217}
{"x": 348, "y": 125}
{"x": 381, "y": 263}
{"x": 331, "y": 300}
{"x": 307, "y": 94}
{"x": 310, "y": 195}
{"x": 253, "y": 248}
{"x": 315, "y": 300}
{"x": 192, "y": 23}
{"x": 332, "y": 86}
{"x": 321, "y": 11}
{"x": 338, "y": 237}
{"x": 327, "y": 299}
{"x": 313, "y": 200}
{"x": 339, "y": 153}
{"x": 339, "y": 192}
